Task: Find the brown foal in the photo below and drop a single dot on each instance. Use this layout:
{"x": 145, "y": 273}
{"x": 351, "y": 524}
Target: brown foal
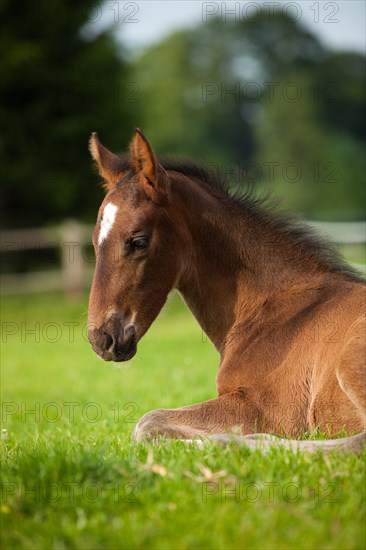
{"x": 282, "y": 308}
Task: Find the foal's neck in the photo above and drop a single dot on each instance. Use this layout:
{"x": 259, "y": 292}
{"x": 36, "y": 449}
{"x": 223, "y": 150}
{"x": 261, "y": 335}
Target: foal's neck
{"x": 234, "y": 273}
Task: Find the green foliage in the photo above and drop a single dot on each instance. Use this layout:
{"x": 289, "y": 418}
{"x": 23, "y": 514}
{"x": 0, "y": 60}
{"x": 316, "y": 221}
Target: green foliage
{"x": 58, "y": 85}
{"x": 69, "y": 481}
{"x": 264, "y": 95}
{"x": 268, "y": 97}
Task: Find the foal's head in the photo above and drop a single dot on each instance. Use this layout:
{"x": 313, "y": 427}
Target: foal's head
{"x": 137, "y": 249}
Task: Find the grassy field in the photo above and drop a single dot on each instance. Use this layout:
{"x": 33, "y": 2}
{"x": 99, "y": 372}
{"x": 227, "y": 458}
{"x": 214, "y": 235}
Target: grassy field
{"x": 71, "y": 478}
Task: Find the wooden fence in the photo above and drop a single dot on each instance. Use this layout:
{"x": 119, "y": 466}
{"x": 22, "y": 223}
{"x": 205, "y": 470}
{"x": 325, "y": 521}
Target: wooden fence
{"x": 72, "y": 240}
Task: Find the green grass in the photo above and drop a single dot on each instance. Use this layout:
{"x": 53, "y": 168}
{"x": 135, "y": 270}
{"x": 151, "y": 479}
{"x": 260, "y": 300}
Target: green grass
{"x": 71, "y": 477}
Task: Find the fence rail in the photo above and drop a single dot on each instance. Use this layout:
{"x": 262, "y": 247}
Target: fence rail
{"x": 70, "y": 239}
{"x": 75, "y": 272}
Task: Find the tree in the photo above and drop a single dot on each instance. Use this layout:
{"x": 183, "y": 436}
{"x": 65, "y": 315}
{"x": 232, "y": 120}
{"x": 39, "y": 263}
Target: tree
{"x": 58, "y": 85}
{"x": 267, "y": 96}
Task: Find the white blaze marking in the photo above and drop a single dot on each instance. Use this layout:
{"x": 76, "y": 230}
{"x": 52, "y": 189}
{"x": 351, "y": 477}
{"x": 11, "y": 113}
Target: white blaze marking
{"x": 109, "y": 215}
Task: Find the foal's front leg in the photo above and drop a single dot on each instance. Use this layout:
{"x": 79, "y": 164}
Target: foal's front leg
{"x": 216, "y": 416}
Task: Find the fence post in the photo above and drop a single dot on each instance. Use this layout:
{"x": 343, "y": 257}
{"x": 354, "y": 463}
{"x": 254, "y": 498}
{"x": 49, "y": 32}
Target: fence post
{"x": 72, "y": 259}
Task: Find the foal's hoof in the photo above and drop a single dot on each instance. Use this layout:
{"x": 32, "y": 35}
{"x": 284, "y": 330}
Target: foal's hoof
{"x": 150, "y": 426}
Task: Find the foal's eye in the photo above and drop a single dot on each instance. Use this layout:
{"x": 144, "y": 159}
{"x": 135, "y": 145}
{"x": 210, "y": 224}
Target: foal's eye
{"x": 139, "y": 243}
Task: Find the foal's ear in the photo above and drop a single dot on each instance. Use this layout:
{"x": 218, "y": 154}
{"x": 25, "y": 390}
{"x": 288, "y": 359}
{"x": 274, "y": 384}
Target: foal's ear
{"x": 110, "y": 166}
{"x": 153, "y": 176}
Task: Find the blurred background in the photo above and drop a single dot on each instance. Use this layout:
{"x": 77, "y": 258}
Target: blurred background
{"x": 276, "y": 90}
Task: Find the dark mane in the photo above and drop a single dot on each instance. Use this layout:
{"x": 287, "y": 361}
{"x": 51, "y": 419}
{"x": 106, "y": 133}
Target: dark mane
{"x": 246, "y": 196}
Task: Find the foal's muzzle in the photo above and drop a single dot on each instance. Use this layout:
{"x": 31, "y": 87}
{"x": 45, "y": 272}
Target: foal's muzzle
{"x": 115, "y": 340}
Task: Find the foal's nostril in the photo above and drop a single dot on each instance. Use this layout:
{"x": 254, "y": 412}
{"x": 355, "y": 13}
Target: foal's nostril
{"x": 130, "y": 330}
{"x": 108, "y": 341}
{"x": 115, "y": 340}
